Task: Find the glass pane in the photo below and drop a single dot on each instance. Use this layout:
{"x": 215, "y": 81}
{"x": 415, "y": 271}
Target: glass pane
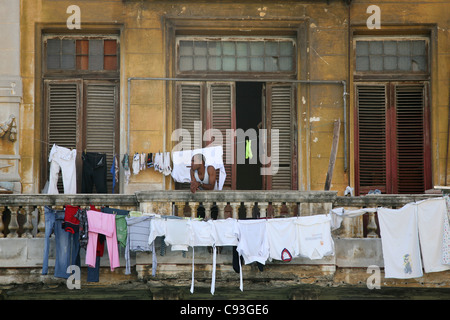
{"x": 229, "y": 48}
{"x": 418, "y": 48}
{"x": 404, "y": 63}
{"x": 256, "y": 48}
{"x": 256, "y": 64}
{"x": 375, "y": 47}
{"x": 242, "y": 64}
{"x": 362, "y": 48}
{"x": 68, "y": 62}
{"x": 53, "y": 46}
{"x": 214, "y": 63}
{"x": 419, "y": 63}
{"x": 362, "y": 63}
{"x": 376, "y": 63}
{"x": 200, "y": 63}
{"x": 229, "y": 64}
{"x": 242, "y": 49}
{"x": 286, "y": 48}
{"x": 390, "y": 48}
{"x": 271, "y": 48}
{"x": 186, "y": 48}
{"x": 214, "y": 48}
{"x": 53, "y": 62}
{"x": 270, "y": 64}
{"x": 286, "y": 63}
{"x": 68, "y": 47}
{"x": 404, "y": 48}
{"x": 95, "y": 54}
{"x": 186, "y": 64}
{"x": 390, "y": 63}
{"x": 200, "y": 48}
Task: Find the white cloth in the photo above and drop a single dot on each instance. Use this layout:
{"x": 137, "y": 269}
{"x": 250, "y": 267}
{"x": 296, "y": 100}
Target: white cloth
{"x": 225, "y": 233}
{"x": 157, "y": 229}
{"x": 167, "y": 169}
{"x": 182, "y": 161}
{"x": 314, "y": 236}
{"x": 63, "y": 159}
{"x": 446, "y": 239}
{"x": 431, "y": 218}
{"x": 136, "y": 165}
{"x": 282, "y": 237}
{"x": 338, "y": 214}
{"x": 253, "y": 242}
{"x": 400, "y": 242}
{"x": 177, "y": 234}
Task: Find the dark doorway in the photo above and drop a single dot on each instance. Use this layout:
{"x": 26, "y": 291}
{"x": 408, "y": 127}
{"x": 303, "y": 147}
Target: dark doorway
{"x": 249, "y": 97}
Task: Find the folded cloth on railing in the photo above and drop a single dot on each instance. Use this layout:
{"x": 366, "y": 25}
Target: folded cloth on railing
{"x": 182, "y": 161}
{"x": 338, "y": 214}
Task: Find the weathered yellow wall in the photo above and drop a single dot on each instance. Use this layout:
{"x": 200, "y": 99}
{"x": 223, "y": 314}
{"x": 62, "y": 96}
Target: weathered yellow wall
{"x": 144, "y": 54}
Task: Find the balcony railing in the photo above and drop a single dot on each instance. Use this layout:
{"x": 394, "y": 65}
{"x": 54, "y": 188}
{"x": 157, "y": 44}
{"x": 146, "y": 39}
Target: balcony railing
{"x": 22, "y": 216}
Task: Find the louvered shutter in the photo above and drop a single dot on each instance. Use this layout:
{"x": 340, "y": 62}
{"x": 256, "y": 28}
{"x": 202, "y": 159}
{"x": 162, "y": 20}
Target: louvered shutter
{"x": 63, "y": 100}
{"x": 371, "y": 134}
{"x": 221, "y": 108}
{"x": 410, "y": 139}
{"x": 280, "y": 104}
{"x": 101, "y": 103}
{"x": 190, "y": 106}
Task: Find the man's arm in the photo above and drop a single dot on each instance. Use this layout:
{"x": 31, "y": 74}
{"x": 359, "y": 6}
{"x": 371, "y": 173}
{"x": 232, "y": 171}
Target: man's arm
{"x": 194, "y": 183}
{"x": 212, "y": 179}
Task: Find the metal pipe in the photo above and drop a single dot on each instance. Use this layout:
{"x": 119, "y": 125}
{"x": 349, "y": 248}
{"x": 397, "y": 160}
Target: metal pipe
{"x": 341, "y": 82}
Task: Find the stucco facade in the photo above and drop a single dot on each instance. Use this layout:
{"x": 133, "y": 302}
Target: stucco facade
{"x": 147, "y": 31}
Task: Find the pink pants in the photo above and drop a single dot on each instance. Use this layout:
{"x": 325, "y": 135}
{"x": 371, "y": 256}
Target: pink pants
{"x": 103, "y": 223}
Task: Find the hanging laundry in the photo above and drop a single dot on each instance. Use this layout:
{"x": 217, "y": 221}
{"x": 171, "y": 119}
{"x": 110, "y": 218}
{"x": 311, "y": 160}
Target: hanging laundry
{"x": 114, "y": 172}
{"x": 142, "y": 160}
{"x": 150, "y": 160}
{"x": 138, "y": 229}
{"x": 102, "y": 223}
{"x": 177, "y": 234}
{"x": 126, "y": 168}
{"x": 136, "y": 165}
{"x": 167, "y": 169}
{"x": 62, "y": 159}
{"x": 94, "y": 172}
{"x": 248, "y": 149}
{"x": 314, "y": 236}
{"x": 71, "y": 223}
{"x": 282, "y": 237}
{"x": 182, "y": 161}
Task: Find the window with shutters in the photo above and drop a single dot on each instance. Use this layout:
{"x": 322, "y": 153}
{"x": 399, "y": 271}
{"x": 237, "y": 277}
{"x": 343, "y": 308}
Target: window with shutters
{"x": 392, "y": 139}
{"x": 392, "y": 133}
{"x": 81, "y": 98}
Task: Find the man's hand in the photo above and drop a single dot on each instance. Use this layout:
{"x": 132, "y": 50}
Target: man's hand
{"x": 194, "y": 186}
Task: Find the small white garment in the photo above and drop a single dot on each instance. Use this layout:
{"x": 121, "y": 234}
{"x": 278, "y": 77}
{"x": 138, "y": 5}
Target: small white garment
{"x": 201, "y": 235}
{"x": 431, "y": 218}
{"x": 400, "y": 242}
{"x": 314, "y": 236}
{"x": 143, "y": 160}
{"x": 446, "y": 239}
{"x": 253, "y": 242}
{"x": 282, "y": 237}
{"x": 63, "y": 159}
{"x": 167, "y": 169}
{"x": 157, "y": 228}
{"x": 182, "y": 161}
{"x": 136, "y": 165}
{"x": 225, "y": 233}
{"x": 338, "y": 215}
{"x": 177, "y": 234}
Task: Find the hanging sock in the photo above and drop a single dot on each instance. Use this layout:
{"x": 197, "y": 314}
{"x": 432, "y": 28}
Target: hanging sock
{"x": 248, "y": 149}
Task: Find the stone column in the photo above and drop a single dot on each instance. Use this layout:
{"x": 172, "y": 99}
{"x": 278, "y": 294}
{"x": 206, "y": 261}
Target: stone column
{"x": 10, "y": 95}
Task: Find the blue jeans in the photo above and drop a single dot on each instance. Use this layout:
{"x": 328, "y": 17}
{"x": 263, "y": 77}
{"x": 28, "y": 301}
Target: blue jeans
{"x": 67, "y": 245}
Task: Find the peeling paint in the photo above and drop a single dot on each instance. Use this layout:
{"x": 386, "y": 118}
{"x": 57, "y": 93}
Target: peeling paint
{"x": 315, "y": 139}
{"x": 314, "y": 119}
{"x": 303, "y": 100}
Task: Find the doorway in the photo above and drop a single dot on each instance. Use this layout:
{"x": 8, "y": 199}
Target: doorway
{"x": 249, "y": 97}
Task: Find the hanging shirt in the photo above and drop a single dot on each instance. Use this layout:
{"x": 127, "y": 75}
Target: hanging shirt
{"x": 431, "y": 219}
{"x": 138, "y": 229}
{"x": 400, "y": 242}
{"x": 177, "y": 234}
{"x": 253, "y": 244}
{"x": 282, "y": 237}
{"x": 314, "y": 236}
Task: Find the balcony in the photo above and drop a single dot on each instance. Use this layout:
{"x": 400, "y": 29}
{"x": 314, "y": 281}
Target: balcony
{"x": 357, "y": 242}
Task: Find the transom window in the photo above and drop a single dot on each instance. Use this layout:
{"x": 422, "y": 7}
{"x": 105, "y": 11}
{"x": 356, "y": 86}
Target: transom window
{"x": 391, "y": 55}
{"x": 270, "y": 55}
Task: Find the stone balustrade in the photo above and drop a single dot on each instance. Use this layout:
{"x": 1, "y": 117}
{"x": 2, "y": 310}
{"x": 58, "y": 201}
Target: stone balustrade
{"x": 22, "y": 216}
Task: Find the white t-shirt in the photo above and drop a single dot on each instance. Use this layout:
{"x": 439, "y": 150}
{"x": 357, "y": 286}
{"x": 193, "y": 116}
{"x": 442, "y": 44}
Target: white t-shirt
{"x": 282, "y": 237}
{"x": 253, "y": 243}
{"x": 314, "y": 236}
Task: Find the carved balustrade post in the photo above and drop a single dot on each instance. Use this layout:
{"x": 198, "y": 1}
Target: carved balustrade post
{"x": 13, "y": 223}
{"x": 2, "y": 226}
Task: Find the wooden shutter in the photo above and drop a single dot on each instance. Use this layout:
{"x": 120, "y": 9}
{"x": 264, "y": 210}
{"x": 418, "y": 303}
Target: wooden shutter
{"x": 411, "y": 123}
{"x": 371, "y": 137}
{"x": 190, "y": 102}
{"x": 101, "y": 106}
{"x": 280, "y": 114}
{"x": 221, "y": 110}
{"x": 62, "y": 103}
{"x": 63, "y": 110}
